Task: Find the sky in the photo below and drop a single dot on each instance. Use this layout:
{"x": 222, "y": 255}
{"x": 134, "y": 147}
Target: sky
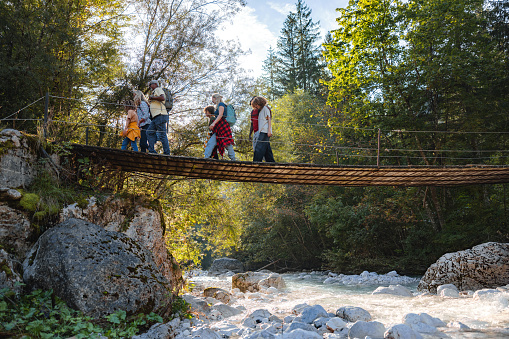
{"x": 258, "y": 26}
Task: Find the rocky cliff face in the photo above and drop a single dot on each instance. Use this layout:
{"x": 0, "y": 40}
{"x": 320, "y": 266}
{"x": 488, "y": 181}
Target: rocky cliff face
{"x": 136, "y": 221}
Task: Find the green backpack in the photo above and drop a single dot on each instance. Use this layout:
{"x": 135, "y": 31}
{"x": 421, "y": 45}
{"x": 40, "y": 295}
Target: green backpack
{"x": 231, "y": 117}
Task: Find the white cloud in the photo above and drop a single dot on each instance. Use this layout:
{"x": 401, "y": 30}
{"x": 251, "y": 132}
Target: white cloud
{"x": 252, "y": 35}
{"x": 284, "y": 9}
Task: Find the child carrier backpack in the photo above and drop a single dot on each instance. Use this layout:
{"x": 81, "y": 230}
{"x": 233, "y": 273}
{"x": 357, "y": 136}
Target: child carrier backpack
{"x": 231, "y": 117}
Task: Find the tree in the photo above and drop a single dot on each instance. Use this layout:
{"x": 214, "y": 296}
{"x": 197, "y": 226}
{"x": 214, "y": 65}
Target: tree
{"x": 68, "y": 48}
{"x": 297, "y": 52}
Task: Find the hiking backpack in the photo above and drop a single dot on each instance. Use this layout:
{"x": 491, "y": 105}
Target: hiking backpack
{"x": 168, "y": 99}
{"x": 231, "y": 117}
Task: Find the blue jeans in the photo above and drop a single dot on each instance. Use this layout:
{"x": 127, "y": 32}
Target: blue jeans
{"x": 157, "y": 131}
{"x": 126, "y": 142}
{"x": 212, "y": 143}
{"x": 143, "y": 139}
{"x": 263, "y": 149}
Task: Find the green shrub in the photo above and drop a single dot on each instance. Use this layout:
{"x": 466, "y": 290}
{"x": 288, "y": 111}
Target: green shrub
{"x": 35, "y": 315}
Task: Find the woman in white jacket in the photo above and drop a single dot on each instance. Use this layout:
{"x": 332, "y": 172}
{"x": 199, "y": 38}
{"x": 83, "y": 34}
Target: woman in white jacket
{"x": 262, "y": 147}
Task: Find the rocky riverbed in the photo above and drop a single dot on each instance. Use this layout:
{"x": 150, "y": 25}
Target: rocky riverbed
{"x": 328, "y": 305}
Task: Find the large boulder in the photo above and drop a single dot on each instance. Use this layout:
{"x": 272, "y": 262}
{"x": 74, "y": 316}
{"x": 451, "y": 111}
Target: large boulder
{"x": 96, "y": 271}
{"x": 483, "y": 266}
{"x": 140, "y": 218}
{"x": 223, "y": 265}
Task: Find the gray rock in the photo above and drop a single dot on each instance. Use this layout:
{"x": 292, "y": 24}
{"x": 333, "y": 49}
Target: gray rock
{"x": 7, "y": 193}
{"x": 419, "y": 323}
{"x": 304, "y": 326}
{"x": 264, "y": 334}
{"x": 394, "y": 290}
{"x": 16, "y": 232}
{"x": 157, "y": 331}
{"x": 225, "y": 310}
{"x": 321, "y": 321}
{"x": 401, "y": 331}
{"x": 335, "y": 324}
{"x": 96, "y": 271}
{"x": 217, "y": 293}
{"x": 482, "y": 266}
{"x": 256, "y": 317}
{"x": 17, "y": 168}
{"x": 301, "y": 334}
{"x": 197, "y": 304}
{"x": 224, "y": 265}
{"x": 449, "y": 286}
{"x": 311, "y": 313}
{"x": 204, "y": 333}
{"x": 353, "y": 314}
{"x": 9, "y": 132}
{"x": 362, "y": 329}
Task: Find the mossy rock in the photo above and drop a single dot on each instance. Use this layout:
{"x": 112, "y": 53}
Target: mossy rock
{"x": 30, "y": 201}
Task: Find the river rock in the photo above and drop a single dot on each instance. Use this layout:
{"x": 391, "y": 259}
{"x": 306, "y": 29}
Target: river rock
{"x": 223, "y": 265}
{"x": 198, "y": 305}
{"x": 419, "y": 323}
{"x": 362, "y": 329}
{"x": 335, "y": 324}
{"x": 483, "y": 266}
{"x": 401, "y": 331}
{"x": 217, "y": 293}
{"x": 225, "y": 310}
{"x": 274, "y": 280}
{"x": 256, "y": 317}
{"x": 96, "y": 271}
{"x": 309, "y": 314}
{"x": 301, "y": 334}
{"x": 394, "y": 290}
{"x": 140, "y": 219}
{"x": 353, "y": 314}
{"x": 250, "y": 281}
{"x": 298, "y": 324}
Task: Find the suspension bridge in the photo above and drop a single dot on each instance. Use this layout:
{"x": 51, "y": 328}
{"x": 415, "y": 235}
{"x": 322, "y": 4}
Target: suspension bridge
{"x": 297, "y": 174}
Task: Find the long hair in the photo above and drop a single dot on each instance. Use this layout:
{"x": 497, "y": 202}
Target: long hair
{"x": 139, "y": 97}
{"x": 218, "y": 97}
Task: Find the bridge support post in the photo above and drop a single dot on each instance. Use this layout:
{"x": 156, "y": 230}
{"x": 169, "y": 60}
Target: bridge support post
{"x": 378, "y": 150}
{"x": 86, "y": 135}
{"x": 46, "y": 108}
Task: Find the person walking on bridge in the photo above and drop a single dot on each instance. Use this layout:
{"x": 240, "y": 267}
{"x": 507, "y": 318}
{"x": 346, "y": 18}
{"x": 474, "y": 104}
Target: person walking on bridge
{"x": 221, "y": 128}
{"x": 144, "y": 121}
{"x": 158, "y": 127}
{"x": 262, "y": 147}
{"x": 131, "y": 131}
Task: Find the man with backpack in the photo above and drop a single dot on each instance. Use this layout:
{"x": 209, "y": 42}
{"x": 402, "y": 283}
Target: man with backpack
{"x": 159, "y": 115}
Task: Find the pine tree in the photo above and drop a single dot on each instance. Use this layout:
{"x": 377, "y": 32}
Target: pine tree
{"x": 298, "y": 52}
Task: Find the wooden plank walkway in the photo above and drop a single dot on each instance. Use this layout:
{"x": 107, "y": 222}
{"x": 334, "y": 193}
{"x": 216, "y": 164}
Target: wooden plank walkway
{"x": 297, "y": 174}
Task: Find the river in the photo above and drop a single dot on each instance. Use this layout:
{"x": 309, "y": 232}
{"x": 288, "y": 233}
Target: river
{"x": 486, "y": 318}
